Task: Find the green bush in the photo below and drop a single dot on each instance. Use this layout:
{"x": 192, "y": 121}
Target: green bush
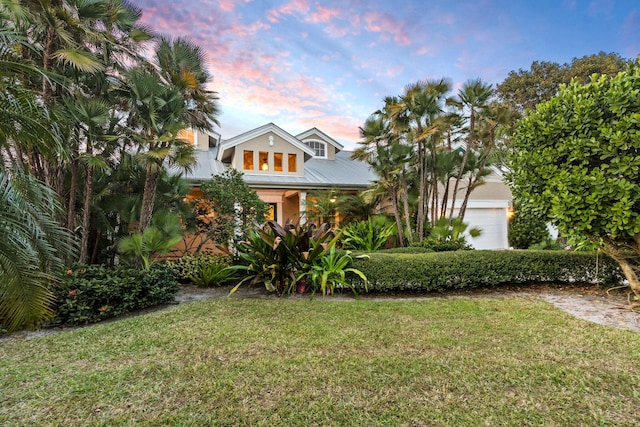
{"x": 437, "y": 245}
{"x": 189, "y": 266}
{"x": 468, "y": 269}
{"x": 214, "y": 275}
{"x": 369, "y": 235}
{"x": 89, "y": 294}
{"x": 419, "y": 249}
{"x": 525, "y": 229}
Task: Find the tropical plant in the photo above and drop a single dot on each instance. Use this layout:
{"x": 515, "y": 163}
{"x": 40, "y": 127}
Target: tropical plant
{"x": 329, "y": 271}
{"x": 163, "y": 100}
{"x": 214, "y": 275}
{"x": 146, "y": 247}
{"x": 275, "y": 255}
{"x": 32, "y": 245}
{"x": 369, "y": 235}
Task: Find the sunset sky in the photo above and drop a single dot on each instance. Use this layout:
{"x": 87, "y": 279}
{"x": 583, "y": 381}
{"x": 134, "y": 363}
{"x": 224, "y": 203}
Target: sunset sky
{"x": 328, "y": 64}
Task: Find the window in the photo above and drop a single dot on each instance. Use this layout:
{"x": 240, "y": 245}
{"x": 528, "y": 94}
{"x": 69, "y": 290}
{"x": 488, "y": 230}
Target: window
{"x": 277, "y": 162}
{"x": 291, "y": 160}
{"x": 272, "y": 213}
{"x": 318, "y": 146}
{"x": 187, "y": 135}
{"x": 264, "y": 161}
{"x": 248, "y": 160}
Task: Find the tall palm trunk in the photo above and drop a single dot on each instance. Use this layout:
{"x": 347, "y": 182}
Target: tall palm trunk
{"x": 86, "y": 215}
{"x": 405, "y": 200}
{"x": 149, "y": 195}
{"x": 396, "y": 214}
{"x": 463, "y": 164}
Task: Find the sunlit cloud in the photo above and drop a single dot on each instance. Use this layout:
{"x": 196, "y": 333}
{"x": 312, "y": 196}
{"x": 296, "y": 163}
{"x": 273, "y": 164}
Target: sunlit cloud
{"x": 387, "y": 26}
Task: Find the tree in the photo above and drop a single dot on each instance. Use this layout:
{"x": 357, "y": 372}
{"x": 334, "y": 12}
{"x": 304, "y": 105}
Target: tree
{"x": 227, "y": 210}
{"x": 524, "y": 89}
{"x": 473, "y": 97}
{"x": 163, "y": 100}
{"x": 577, "y": 159}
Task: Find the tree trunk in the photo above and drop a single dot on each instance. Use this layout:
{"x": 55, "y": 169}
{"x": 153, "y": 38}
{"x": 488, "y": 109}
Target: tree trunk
{"x": 148, "y": 196}
{"x": 628, "y": 269}
{"x": 396, "y": 214}
{"x": 405, "y": 200}
{"x": 421, "y": 192}
{"x": 71, "y": 208}
{"x": 86, "y": 215}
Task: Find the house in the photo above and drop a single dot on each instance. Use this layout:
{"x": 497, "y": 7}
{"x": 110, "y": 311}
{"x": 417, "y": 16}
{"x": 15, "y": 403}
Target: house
{"x": 283, "y": 169}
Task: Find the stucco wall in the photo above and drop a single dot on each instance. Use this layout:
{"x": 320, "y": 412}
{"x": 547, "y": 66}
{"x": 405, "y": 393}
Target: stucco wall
{"x": 261, "y": 143}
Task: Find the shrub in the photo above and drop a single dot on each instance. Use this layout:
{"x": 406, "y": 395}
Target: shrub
{"x": 276, "y": 255}
{"x": 89, "y": 294}
{"x": 188, "y": 266}
{"x": 329, "y": 271}
{"x": 214, "y": 275}
{"x": 369, "y": 235}
{"x": 436, "y": 245}
{"x": 468, "y": 269}
{"x": 525, "y": 229}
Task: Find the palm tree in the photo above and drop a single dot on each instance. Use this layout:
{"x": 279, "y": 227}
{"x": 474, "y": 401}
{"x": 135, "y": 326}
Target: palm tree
{"x": 472, "y": 98}
{"x": 418, "y": 114}
{"x": 163, "y": 100}
{"x": 32, "y": 245}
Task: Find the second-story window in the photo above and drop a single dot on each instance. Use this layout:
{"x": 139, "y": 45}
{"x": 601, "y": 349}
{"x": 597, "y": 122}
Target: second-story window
{"x": 318, "y": 146}
{"x": 248, "y": 160}
{"x": 277, "y": 162}
{"x": 291, "y": 162}
{"x": 264, "y": 161}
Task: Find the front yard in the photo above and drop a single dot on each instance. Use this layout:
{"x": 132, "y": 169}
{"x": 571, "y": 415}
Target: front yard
{"x": 466, "y": 361}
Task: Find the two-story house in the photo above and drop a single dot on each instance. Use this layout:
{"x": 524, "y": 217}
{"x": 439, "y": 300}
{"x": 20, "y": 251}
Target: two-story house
{"x": 283, "y": 169}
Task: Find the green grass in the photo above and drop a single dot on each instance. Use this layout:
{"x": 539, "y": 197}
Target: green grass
{"x": 247, "y": 362}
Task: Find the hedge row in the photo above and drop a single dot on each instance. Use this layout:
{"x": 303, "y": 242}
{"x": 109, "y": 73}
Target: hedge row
{"x": 444, "y": 271}
{"x": 89, "y": 294}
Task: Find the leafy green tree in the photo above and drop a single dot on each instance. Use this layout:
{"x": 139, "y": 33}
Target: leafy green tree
{"x": 577, "y": 159}
{"x": 524, "y": 89}
{"x": 32, "y": 245}
{"x": 228, "y": 209}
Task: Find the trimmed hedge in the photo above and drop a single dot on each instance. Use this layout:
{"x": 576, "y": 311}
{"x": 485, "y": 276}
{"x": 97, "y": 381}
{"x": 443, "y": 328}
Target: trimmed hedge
{"x": 442, "y": 271}
{"x": 91, "y": 293}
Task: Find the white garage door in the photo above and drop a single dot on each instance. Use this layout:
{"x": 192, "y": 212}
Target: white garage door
{"x": 493, "y": 223}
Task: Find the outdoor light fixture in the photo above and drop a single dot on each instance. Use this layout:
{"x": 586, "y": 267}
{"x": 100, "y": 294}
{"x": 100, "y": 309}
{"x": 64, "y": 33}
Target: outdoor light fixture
{"x": 265, "y": 166}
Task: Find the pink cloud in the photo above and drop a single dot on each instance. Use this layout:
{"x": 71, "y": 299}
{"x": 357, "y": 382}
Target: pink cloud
{"x": 338, "y": 127}
{"x": 424, "y": 50}
{"x": 229, "y": 5}
{"x": 323, "y": 15}
{"x": 291, "y": 8}
{"x": 387, "y": 26}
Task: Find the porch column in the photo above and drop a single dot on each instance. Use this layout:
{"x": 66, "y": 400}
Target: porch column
{"x": 303, "y": 207}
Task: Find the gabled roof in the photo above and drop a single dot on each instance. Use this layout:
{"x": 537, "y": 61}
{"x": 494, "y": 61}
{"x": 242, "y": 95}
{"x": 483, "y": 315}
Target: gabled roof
{"x": 230, "y": 144}
{"x": 326, "y": 138}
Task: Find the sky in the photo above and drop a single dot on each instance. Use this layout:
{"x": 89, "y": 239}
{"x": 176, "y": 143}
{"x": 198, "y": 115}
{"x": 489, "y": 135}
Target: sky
{"x": 328, "y": 64}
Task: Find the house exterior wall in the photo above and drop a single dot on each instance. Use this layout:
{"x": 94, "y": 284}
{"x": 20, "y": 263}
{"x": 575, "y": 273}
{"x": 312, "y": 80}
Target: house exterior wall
{"x": 262, "y": 143}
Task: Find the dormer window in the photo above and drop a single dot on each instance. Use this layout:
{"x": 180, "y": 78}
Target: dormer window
{"x": 319, "y": 147}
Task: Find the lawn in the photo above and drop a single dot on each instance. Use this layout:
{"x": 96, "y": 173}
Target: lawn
{"x": 453, "y": 362}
